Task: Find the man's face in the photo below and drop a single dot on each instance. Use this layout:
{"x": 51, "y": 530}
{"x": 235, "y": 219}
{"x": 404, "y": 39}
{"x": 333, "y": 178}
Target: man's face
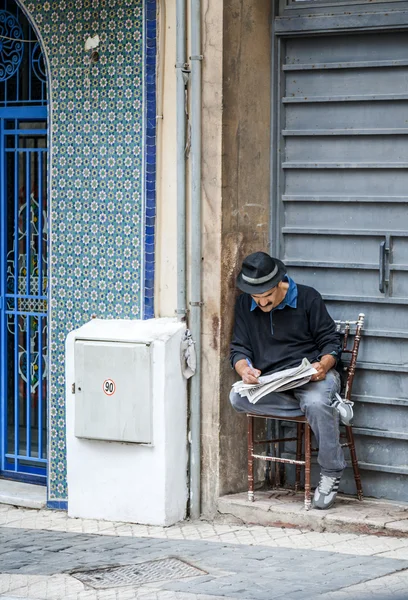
{"x": 268, "y": 300}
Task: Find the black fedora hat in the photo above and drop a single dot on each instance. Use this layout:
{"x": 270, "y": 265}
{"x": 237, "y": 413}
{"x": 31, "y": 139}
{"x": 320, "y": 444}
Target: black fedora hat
{"x": 260, "y": 273}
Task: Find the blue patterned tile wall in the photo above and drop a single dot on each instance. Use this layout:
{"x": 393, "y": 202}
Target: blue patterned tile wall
{"x": 103, "y": 174}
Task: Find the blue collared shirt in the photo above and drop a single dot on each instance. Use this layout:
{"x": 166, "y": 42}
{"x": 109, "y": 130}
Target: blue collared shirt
{"x": 289, "y": 300}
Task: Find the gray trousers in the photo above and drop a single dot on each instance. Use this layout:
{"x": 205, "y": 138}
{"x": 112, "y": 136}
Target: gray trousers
{"x": 313, "y": 400}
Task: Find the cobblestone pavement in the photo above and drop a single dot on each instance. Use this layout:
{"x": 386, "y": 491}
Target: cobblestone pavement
{"x": 41, "y": 553}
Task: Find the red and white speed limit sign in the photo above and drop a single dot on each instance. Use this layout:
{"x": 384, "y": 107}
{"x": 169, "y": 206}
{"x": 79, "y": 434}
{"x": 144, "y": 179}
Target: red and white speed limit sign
{"x": 109, "y": 387}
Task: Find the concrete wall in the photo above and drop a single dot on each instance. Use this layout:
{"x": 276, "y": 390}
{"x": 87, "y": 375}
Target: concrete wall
{"x": 166, "y": 228}
{"x": 211, "y": 246}
{"x": 245, "y": 193}
{"x": 235, "y": 192}
{"x": 166, "y": 240}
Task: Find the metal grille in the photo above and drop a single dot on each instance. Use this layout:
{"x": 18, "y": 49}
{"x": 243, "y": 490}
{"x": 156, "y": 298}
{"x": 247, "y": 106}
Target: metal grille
{"x": 342, "y": 201}
{"x": 22, "y": 68}
{"x": 23, "y": 247}
{"x": 147, "y": 572}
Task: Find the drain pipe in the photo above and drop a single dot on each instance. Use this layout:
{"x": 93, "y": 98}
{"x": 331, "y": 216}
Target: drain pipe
{"x": 182, "y": 75}
{"x": 195, "y": 269}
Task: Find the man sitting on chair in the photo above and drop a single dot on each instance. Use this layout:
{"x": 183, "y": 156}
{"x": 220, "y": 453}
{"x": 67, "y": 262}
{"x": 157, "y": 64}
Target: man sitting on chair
{"x": 277, "y": 324}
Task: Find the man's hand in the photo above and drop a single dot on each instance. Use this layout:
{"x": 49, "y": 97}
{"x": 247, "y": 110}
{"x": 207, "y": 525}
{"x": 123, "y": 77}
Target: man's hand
{"x": 326, "y": 363}
{"x": 248, "y": 374}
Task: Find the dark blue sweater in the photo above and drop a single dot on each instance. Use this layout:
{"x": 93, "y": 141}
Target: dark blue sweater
{"x": 280, "y": 339}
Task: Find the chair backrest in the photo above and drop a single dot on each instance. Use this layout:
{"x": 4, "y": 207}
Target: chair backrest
{"x": 347, "y": 328}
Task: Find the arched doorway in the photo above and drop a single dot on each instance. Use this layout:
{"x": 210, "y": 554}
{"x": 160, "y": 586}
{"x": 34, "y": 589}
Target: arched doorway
{"x": 23, "y": 248}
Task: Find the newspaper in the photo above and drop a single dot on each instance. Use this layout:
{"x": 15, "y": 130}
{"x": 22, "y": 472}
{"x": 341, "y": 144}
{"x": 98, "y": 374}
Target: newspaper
{"x": 276, "y": 382}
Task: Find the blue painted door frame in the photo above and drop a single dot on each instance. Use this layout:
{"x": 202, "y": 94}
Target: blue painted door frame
{"x": 23, "y": 292}
{"x": 23, "y": 249}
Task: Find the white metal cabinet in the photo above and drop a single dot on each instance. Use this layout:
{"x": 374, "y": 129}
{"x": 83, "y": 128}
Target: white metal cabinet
{"x": 113, "y": 391}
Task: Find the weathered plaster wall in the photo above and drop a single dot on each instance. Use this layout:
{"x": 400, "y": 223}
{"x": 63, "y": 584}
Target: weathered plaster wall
{"x": 245, "y": 193}
{"x": 166, "y": 241}
{"x": 236, "y": 181}
{"x": 98, "y": 187}
{"x": 166, "y": 232}
{"x": 211, "y": 246}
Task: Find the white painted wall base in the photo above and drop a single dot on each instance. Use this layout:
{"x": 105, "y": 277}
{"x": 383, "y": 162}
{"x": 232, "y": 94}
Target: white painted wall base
{"x": 126, "y": 481}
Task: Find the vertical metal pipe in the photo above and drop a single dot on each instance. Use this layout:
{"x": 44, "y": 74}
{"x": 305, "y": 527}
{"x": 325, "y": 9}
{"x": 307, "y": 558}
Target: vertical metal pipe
{"x": 16, "y": 301}
{"x": 40, "y": 384}
{"x": 40, "y": 226}
{"x": 28, "y": 221}
{"x": 16, "y": 217}
{"x": 39, "y": 294}
{"x": 28, "y": 384}
{"x": 29, "y": 52}
{"x": 3, "y": 264}
{"x": 181, "y": 157}
{"x": 16, "y": 392}
{"x": 195, "y": 270}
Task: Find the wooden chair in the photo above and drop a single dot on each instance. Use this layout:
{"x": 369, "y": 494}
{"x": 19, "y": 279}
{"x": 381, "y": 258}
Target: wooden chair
{"x": 303, "y": 428}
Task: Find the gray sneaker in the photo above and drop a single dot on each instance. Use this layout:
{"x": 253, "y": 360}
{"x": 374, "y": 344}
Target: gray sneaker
{"x": 345, "y": 409}
{"x": 326, "y": 492}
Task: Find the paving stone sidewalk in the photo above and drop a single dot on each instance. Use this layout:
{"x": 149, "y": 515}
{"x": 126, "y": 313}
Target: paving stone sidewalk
{"x": 41, "y": 552}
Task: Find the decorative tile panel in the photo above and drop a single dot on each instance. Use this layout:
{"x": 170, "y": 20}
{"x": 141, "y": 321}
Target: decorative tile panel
{"x": 102, "y": 197}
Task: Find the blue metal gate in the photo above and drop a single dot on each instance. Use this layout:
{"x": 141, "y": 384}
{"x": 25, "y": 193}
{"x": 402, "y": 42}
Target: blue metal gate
{"x": 23, "y": 248}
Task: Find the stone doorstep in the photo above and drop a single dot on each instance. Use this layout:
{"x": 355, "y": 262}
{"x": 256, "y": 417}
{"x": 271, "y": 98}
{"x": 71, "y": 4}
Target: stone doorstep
{"x": 25, "y": 495}
{"x": 285, "y": 508}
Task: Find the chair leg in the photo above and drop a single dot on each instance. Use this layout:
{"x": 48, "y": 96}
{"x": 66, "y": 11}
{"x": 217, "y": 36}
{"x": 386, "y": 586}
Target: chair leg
{"x": 354, "y": 461}
{"x": 251, "y": 497}
{"x": 299, "y": 427}
{"x": 308, "y": 443}
{"x": 277, "y": 467}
